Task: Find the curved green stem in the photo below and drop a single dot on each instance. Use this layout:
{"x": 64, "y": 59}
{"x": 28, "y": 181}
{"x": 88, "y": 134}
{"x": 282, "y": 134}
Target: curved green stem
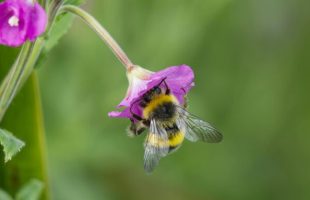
{"x": 101, "y": 31}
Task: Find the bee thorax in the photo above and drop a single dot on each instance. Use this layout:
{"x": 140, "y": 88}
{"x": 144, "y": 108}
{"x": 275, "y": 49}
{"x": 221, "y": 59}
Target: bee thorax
{"x": 164, "y": 111}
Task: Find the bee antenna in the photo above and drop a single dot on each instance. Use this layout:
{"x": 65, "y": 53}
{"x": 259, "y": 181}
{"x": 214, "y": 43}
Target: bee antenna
{"x": 166, "y": 85}
{"x": 168, "y": 90}
{"x": 163, "y": 80}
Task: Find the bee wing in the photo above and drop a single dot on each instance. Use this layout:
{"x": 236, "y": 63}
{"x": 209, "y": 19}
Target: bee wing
{"x": 197, "y": 129}
{"x": 156, "y": 146}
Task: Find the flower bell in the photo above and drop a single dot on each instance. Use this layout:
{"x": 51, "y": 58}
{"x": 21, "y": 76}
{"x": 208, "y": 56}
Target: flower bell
{"x": 21, "y": 20}
{"x": 179, "y": 79}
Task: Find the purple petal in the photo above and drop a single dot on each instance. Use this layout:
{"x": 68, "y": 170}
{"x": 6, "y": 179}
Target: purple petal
{"x": 138, "y": 78}
{"x": 20, "y": 21}
{"x": 133, "y": 91}
{"x": 12, "y": 35}
{"x": 127, "y": 112}
{"x": 38, "y": 22}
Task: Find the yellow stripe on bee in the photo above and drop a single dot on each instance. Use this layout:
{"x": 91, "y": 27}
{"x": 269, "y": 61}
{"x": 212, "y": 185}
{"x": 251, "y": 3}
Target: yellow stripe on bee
{"x": 156, "y": 101}
{"x": 177, "y": 139}
{"x": 173, "y": 141}
{"x": 154, "y": 140}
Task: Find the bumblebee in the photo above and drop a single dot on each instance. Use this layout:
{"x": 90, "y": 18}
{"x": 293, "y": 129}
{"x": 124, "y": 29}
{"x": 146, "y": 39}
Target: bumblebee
{"x": 169, "y": 124}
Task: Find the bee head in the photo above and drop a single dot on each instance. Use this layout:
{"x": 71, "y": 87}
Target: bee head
{"x": 149, "y": 95}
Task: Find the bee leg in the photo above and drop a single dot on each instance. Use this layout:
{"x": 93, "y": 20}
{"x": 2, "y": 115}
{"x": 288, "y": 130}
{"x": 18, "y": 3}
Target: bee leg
{"x": 135, "y": 129}
{"x": 146, "y": 122}
{"x": 140, "y": 130}
{"x": 185, "y": 104}
{"x": 137, "y": 117}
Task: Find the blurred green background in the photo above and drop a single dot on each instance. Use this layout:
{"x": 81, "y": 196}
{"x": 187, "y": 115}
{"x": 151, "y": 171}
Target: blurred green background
{"x": 251, "y": 60}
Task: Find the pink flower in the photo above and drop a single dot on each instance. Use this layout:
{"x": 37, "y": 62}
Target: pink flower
{"x": 21, "y": 20}
{"x": 179, "y": 80}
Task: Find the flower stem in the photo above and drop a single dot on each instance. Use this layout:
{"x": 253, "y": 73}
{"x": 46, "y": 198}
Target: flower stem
{"x": 101, "y": 31}
{"x": 10, "y": 82}
{"x": 44, "y": 3}
{"x": 24, "y": 63}
{"x": 52, "y": 10}
{"x": 19, "y": 73}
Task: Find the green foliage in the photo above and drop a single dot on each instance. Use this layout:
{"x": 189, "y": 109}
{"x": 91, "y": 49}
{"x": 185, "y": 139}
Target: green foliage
{"x": 61, "y": 26}
{"x": 11, "y": 145}
{"x": 251, "y": 61}
{"x": 59, "y": 29}
{"x": 24, "y": 120}
{"x": 31, "y": 191}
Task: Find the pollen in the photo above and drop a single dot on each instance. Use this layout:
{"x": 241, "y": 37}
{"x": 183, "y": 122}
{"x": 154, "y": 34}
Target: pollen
{"x": 13, "y": 21}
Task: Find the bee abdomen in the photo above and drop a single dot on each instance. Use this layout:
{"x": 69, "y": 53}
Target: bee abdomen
{"x": 175, "y": 137}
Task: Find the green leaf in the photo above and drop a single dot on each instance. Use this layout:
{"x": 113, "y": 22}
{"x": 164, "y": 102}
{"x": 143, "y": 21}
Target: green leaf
{"x": 31, "y": 191}
{"x": 24, "y": 118}
{"x": 4, "y": 195}
{"x": 60, "y": 27}
{"x": 11, "y": 145}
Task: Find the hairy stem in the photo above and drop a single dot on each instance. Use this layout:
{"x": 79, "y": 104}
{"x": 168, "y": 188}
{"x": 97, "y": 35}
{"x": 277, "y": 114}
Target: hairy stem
{"x": 101, "y": 31}
{"x": 19, "y": 73}
{"x": 8, "y": 86}
{"x": 25, "y": 62}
